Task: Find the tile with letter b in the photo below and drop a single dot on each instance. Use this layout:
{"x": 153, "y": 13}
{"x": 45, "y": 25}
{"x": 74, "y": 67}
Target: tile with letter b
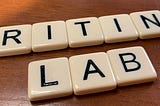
{"x": 147, "y": 23}
{"x": 15, "y": 40}
{"x": 91, "y": 73}
{"x": 84, "y": 32}
{"x": 118, "y": 28}
{"x": 131, "y": 66}
{"x": 48, "y": 36}
{"x": 49, "y": 79}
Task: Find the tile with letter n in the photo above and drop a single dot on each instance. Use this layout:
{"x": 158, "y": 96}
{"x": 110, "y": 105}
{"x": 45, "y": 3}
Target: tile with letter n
{"x": 131, "y": 66}
{"x": 15, "y": 40}
{"x": 91, "y": 73}
{"x": 49, "y": 79}
{"x": 147, "y": 23}
{"x": 47, "y": 36}
{"x": 84, "y": 32}
{"x": 118, "y": 28}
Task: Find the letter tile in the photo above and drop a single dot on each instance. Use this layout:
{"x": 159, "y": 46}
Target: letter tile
{"x": 48, "y": 36}
{"x": 118, "y": 28}
{"x": 131, "y": 66}
{"x": 49, "y": 79}
{"x": 147, "y": 23}
{"x": 15, "y": 40}
{"x": 91, "y": 73}
{"x": 84, "y": 32}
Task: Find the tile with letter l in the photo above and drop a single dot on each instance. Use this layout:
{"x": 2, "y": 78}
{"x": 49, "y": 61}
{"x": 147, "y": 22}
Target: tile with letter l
{"x": 131, "y": 66}
{"x": 49, "y": 78}
{"x": 15, "y": 40}
{"x": 118, "y": 28}
{"x": 91, "y": 73}
{"x": 47, "y": 36}
{"x": 84, "y": 32}
{"x": 147, "y": 23}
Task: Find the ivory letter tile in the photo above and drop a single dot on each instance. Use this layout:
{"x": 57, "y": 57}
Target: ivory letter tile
{"x": 47, "y": 36}
{"x": 15, "y": 40}
{"x": 131, "y": 66}
{"x": 91, "y": 73}
{"x": 84, "y": 32}
{"x": 147, "y": 23}
{"x": 49, "y": 79}
{"x": 118, "y": 28}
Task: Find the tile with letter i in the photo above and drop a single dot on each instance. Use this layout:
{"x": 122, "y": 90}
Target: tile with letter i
{"x": 118, "y": 28}
{"x": 15, "y": 40}
{"x": 147, "y": 23}
{"x": 91, "y": 73}
{"x": 131, "y": 66}
{"x": 49, "y": 79}
{"x": 48, "y": 36}
{"x": 84, "y": 32}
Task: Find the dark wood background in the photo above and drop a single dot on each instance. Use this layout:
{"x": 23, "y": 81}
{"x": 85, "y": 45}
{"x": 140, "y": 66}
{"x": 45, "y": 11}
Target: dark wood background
{"x": 13, "y": 70}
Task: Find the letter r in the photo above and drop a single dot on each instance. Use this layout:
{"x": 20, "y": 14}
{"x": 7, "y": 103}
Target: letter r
{"x": 12, "y": 37}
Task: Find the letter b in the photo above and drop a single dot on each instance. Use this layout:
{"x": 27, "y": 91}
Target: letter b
{"x": 131, "y": 61}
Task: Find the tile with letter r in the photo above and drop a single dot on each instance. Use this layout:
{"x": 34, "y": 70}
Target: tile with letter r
{"x": 147, "y": 23}
{"x": 84, "y": 32}
{"x": 118, "y": 28}
{"x": 91, "y": 73}
{"x": 47, "y": 36}
{"x": 131, "y": 66}
{"x": 49, "y": 78}
{"x": 15, "y": 40}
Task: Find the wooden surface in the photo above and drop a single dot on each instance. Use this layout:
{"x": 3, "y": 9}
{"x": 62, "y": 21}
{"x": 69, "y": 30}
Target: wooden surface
{"x": 13, "y": 70}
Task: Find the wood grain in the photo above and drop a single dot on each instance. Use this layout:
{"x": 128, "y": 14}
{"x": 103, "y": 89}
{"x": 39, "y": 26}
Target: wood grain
{"x": 13, "y": 70}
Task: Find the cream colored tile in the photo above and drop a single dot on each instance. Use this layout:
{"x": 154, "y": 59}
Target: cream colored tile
{"x": 84, "y": 32}
{"x": 147, "y": 23}
{"x": 118, "y": 28}
{"x": 15, "y": 40}
{"x": 48, "y": 36}
{"x": 91, "y": 73}
{"x": 131, "y": 66}
{"x": 49, "y": 79}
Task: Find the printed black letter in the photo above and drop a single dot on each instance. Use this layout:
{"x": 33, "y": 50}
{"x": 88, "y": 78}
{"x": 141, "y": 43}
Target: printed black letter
{"x": 87, "y": 71}
{"x": 43, "y": 81}
{"x": 124, "y": 62}
{"x": 13, "y": 37}
{"x": 117, "y": 25}
{"x": 83, "y": 26}
{"x": 49, "y": 32}
{"x": 144, "y": 19}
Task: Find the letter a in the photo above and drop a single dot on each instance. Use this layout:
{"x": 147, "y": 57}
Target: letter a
{"x": 87, "y": 71}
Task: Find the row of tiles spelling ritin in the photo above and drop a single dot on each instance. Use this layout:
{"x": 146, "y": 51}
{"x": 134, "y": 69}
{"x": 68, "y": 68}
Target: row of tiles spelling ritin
{"x": 81, "y": 32}
{"x": 89, "y": 73}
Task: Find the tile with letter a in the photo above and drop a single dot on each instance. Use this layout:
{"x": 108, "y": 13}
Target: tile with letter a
{"x": 118, "y": 28}
{"x": 84, "y": 32}
{"x": 131, "y": 66}
{"x": 91, "y": 73}
{"x": 49, "y": 79}
{"x": 15, "y": 40}
{"x": 48, "y": 36}
{"x": 147, "y": 23}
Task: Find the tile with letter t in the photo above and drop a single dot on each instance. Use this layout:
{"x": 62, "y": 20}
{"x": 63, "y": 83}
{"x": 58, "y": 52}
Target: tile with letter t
{"x": 131, "y": 66}
{"x": 91, "y": 73}
{"x": 49, "y": 79}
{"x": 15, "y": 40}
{"x": 118, "y": 28}
{"x": 147, "y": 23}
{"x": 48, "y": 36}
{"x": 84, "y": 32}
